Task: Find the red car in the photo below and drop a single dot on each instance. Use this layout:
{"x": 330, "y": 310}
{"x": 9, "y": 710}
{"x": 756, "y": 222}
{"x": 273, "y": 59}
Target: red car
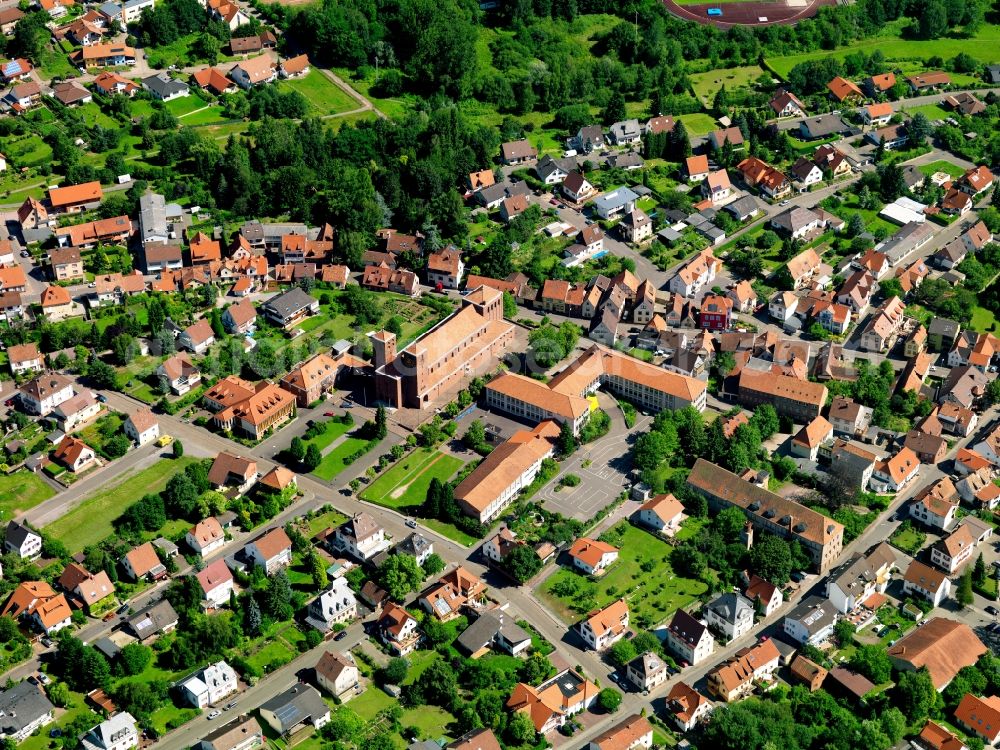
{"x": 329, "y": 414}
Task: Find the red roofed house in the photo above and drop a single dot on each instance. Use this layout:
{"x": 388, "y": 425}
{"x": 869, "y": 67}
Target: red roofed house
{"x": 663, "y": 513}
{"x": 206, "y": 536}
{"x": 76, "y": 198}
{"x": 216, "y": 583}
{"x": 445, "y": 267}
{"x": 74, "y": 454}
{"x": 592, "y": 556}
{"x": 981, "y": 716}
{"x": 143, "y": 562}
{"x": 604, "y": 627}
{"x": 551, "y": 703}
{"x": 294, "y": 67}
{"x": 687, "y": 706}
{"x": 232, "y": 471}
{"x": 272, "y": 551}
{"x": 842, "y": 90}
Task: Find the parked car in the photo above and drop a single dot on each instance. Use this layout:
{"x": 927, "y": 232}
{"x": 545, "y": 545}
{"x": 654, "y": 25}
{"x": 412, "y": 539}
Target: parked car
{"x": 411, "y": 523}
{"x": 991, "y": 610}
{"x": 340, "y": 636}
{"x": 216, "y": 713}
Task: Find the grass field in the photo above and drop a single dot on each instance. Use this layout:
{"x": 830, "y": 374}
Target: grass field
{"x": 653, "y": 594}
{"x": 931, "y": 111}
{"x": 942, "y": 165}
{"x": 323, "y": 95}
{"x": 983, "y": 320}
{"x": 698, "y": 123}
{"x": 707, "y": 84}
{"x": 20, "y": 491}
{"x": 91, "y": 521}
{"x": 982, "y": 45}
{"x": 333, "y": 462}
{"x": 406, "y": 483}
{"x": 76, "y": 708}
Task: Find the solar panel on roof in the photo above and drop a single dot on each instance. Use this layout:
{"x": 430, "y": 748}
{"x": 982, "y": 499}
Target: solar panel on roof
{"x": 11, "y": 68}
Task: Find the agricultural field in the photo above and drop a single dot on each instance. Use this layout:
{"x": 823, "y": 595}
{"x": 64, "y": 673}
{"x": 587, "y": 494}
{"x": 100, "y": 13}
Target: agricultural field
{"x": 92, "y": 520}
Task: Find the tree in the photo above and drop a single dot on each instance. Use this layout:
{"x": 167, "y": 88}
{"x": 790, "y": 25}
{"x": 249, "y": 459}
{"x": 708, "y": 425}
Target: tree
{"x": 134, "y": 658}
{"x": 297, "y": 449}
{"x": 932, "y": 21}
{"x": 58, "y": 693}
{"x": 520, "y": 730}
{"x": 399, "y": 575}
{"x": 915, "y": 695}
{"x": 313, "y": 458}
{"x": 567, "y": 440}
{"x": 963, "y": 595}
{"x": 873, "y": 662}
{"x": 879, "y": 150}
{"x": 180, "y": 496}
{"x": 252, "y": 618}
{"x": 509, "y": 306}
{"x": 614, "y": 110}
{"x": 844, "y": 632}
{"x": 394, "y": 672}
{"x": 771, "y": 559}
{"x": 522, "y": 563}
{"x": 178, "y": 449}
{"x": 279, "y": 597}
{"x": 381, "y": 423}
{"x": 979, "y": 570}
{"x": 609, "y": 699}
{"x": 102, "y": 374}
{"x": 475, "y": 437}
{"x": 433, "y": 565}
{"x": 918, "y": 128}
{"x": 855, "y": 225}
{"x": 622, "y": 652}
{"x": 438, "y": 685}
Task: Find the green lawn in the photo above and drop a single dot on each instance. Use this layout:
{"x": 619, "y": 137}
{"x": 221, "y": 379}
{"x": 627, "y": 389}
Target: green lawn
{"x": 332, "y": 518}
{"x": 77, "y": 707}
{"x": 171, "y": 717}
{"x": 333, "y": 462}
{"x": 706, "y": 85}
{"x": 185, "y": 105}
{"x": 698, "y": 123}
{"x": 91, "y": 521}
{"x": 982, "y": 46}
{"x": 20, "y": 491}
{"x": 930, "y": 111}
{"x": 653, "y": 595}
{"x": 908, "y": 540}
{"x": 406, "y": 483}
{"x": 453, "y": 533}
{"x": 942, "y": 165}
{"x": 982, "y": 319}
{"x": 323, "y": 95}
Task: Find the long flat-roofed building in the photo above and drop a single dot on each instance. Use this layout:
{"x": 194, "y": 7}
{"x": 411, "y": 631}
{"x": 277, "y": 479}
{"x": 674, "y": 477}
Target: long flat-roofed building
{"x": 511, "y": 467}
{"x": 822, "y": 537}
{"x": 467, "y": 342}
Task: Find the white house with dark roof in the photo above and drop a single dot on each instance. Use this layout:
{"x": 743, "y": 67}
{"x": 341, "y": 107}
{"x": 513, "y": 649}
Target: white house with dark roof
{"x": 361, "y": 536}
{"x": 334, "y": 606}
{"x": 730, "y": 614}
{"x": 689, "y": 638}
{"x": 22, "y": 541}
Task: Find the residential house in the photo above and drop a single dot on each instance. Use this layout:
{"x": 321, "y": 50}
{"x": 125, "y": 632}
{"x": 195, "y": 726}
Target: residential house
{"x": 24, "y": 710}
{"x": 625, "y": 133}
{"x": 628, "y": 734}
{"x": 689, "y": 638}
{"x": 730, "y": 614}
{"x": 229, "y": 471}
{"x": 206, "y": 536}
{"x": 604, "y": 627}
{"x": 361, "y": 536}
{"x": 143, "y": 562}
{"x": 216, "y": 581}
{"x": 24, "y": 358}
{"x": 807, "y": 672}
{"x": 592, "y": 556}
{"x": 493, "y": 630}
{"x": 74, "y": 454}
{"x": 56, "y": 303}
{"x": 554, "y": 701}
{"x": 895, "y": 472}
{"x": 806, "y": 173}
{"x": 928, "y": 81}
{"x": 616, "y": 203}
{"x": 272, "y": 551}
{"x": 637, "y": 226}
{"x": 786, "y": 104}
{"x": 976, "y": 180}
{"x": 687, "y": 706}
{"x": 254, "y": 72}
{"x": 926, "y": 582}
{"x": 811, "y": 621}
{"x": 152, "y": 621}
{"x": 662, "y": 513}
{"x": 980, "y": 716}
{"x": 956, "y": 549}
{"x": 294, "y": 67}
{"x": 445, "y": 267}
{"x": 717, "y": 187}
{"x": 936, "y": 505}
{"x": 765, "y": 596}
{"x": 75, "y": 412}
{"x": 240, "y": 318}
{"x": 210, "y": 685}
{"x": 860, "y": 578}
{"x": 294, "y": 709}
{"x": 732, "y": 135}
{"x": 852, "y": 463}
{"x": 697, "y": 168}
{"x": 242, "y": 734}
{"x": 782, "y": 306}
{"x": 338, "y": 675}
{"x": 646, "y": 671}
{"x": 179, "y": 373}
{"x": 313, "y": 379}
{"x": 876, "y": 115}
{"x": 397, "y": 629}
{"x": 736, "y": 678}
{"x": 843, "y": 90}
{"x": 517, "y": 152}
{"x": 164, "y": 88}
{"x": 22, "y": 541}
{"x": 334, "y": 606}
{"x": 823, "y": 126}
{"x": 935, "y": 737}
{"x": 116, "y": 733}
{"x": 697, "y": 273}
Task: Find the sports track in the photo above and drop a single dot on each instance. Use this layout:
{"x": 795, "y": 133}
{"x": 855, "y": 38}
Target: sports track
{"x": 748, "y": 13}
